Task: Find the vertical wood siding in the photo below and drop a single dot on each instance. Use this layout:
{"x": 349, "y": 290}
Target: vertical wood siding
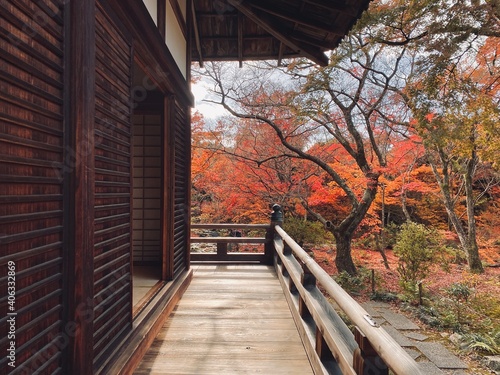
{"x": 182, "y": 145}
{"x": 112, "y": 277}
{"x": 31, "y": 183}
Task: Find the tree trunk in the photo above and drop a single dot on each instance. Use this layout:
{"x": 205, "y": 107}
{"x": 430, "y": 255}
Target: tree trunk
{"x": 473, "y": 259}
{"x": 343, "y": 259}
{"x": 467, "y": 238}
{"x": 380, "y": 246}
{"x": 404, "y": 207}
{"x": 380, "y": 239}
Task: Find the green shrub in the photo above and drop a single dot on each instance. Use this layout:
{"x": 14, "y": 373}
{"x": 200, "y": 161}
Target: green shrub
{"x": 354, "y": 284}
{"x": 305, "y": 232}
{"x": 459, "y": 293}
{"x": 416, "y": 247}
{"x": 384, "y": 296}
{"x": 488, "y": 344}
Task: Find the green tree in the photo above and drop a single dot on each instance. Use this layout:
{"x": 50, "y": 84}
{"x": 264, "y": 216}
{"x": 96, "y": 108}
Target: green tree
{"x": 415, "y": 246}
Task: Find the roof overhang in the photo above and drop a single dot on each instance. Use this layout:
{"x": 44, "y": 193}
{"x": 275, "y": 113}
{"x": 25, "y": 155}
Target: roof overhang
{"x": 238, "y": 30}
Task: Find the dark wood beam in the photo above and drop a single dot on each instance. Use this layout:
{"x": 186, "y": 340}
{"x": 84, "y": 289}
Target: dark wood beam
{"x": 263, "y": 20}
{"x": 219, "y": 38}
{"x": 165, "y": 72}
{"x": 197, "y": 36}
{"x": 297, "y": 18}
{"x": 240, "y": 39}
{"x": 178, "y": 15}
{"x": 161, "y": 15}
{"x": 338, "y": 6}
{"x": 280, "y": 53}
{"x": 323, "y": 44}
{"x": 80, "y": 155}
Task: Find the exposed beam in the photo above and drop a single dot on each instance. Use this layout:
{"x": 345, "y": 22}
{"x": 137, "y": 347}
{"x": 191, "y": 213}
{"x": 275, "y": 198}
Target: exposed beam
{"x": 300, "y": 19}
{"x": 240, "y": 39}
{"x": 80, "y": 147}
{"x": 235, "y": 38}
{"x": 334, "y": 5}
{"x": 197, "y": 36}
{"x": 280, "y": 53}
{"x": 323, "y": 44}
{"x": 263, "y": 20}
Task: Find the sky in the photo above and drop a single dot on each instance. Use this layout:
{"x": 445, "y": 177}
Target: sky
{"x": 201, "y": 92}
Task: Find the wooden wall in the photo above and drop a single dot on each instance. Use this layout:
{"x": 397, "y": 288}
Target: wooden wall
{"x": 182, "y": 189}
{"x": 31, "y": 184}
{"x": 66, "y": 175}
{"x": 112, "y": 236}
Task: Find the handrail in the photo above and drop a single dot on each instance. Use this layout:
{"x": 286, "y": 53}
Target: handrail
{"x": 229, "y": 226}
{"x": 394, "y": 356}
{"x": 222, "y": 243}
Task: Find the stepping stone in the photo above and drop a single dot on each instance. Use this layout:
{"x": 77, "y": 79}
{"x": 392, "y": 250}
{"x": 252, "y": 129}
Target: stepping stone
{"x": 398, "y": 321}
{"x": 413, "y": 353}
{"x": 376, "y": 304}
{"x": 429, "y": 368}
{"x": 416, "y": 336}
{"x": 398, "y": 336}
{"x": 371, "y": 310}
{"x": 440, "y": 356}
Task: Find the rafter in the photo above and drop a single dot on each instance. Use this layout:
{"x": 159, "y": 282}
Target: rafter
{"x": 240, "y": 39}
{"x": 197, "y": 36}
{"x": 323, "y": 44}
{"x": 264, "y": 21}
{"x": 337, "y": 6}
{"x": 300, "y": 19}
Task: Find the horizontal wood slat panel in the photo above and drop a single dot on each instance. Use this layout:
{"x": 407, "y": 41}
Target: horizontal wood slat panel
{"x": 31, "y": 187}
{"x": 182, "y": 144}
{"x": 112, "y": 237}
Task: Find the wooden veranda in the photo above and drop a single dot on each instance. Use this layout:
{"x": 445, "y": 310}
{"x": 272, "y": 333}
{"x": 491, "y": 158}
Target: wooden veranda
{"x": 233, "y": 319}
{"x": 269, "y": 315}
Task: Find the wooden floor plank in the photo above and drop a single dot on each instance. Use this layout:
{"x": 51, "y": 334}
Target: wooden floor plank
{"x": 231, "y": 320}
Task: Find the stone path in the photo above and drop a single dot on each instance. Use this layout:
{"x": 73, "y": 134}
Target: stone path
{"x": 433, "y": 357}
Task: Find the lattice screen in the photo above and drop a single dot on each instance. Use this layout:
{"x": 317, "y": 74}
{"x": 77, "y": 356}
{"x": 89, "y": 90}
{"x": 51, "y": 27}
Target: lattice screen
{"x": 147, "y": 189}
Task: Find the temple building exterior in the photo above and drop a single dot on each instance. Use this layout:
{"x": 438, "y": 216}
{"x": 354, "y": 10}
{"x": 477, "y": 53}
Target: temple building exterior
{"x": 95, "y": 162}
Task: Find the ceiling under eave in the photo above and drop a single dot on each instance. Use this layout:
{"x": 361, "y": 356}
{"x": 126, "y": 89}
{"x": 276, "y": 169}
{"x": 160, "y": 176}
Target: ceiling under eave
{"x": 238, "y": 30}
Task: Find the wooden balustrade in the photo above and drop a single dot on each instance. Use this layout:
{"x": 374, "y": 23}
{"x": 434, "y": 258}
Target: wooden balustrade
{"x": 222, "y": 254}
{"x": 330, "y": 344}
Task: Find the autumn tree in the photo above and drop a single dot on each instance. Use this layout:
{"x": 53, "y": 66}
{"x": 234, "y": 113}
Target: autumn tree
{"x": 452, "y": 90}
{"x": 241, "y": 171}
{"x": 346, "y": 103}
{"x": 453, "y": 138}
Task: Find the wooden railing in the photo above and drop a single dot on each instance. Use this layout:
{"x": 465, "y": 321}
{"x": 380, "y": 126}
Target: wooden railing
{"x": 330, "y": 344}
{"x": 222, "y": 255}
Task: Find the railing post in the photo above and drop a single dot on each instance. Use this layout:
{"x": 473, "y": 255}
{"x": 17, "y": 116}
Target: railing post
{"x": 276, "y": 219}
{"x": 221, "y": 249}
{"x": 322, "y": 350}
{"x": 307, "y": 279}
{"x": 365, "y": 358}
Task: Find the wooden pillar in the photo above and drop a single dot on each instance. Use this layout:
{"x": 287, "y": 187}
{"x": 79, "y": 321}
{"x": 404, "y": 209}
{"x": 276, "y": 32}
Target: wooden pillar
{"x": 276, "y": 219}
{"x": 221, "y": 250}
{"x": 80, "y": 117}
{"x": 365, "y": 358}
